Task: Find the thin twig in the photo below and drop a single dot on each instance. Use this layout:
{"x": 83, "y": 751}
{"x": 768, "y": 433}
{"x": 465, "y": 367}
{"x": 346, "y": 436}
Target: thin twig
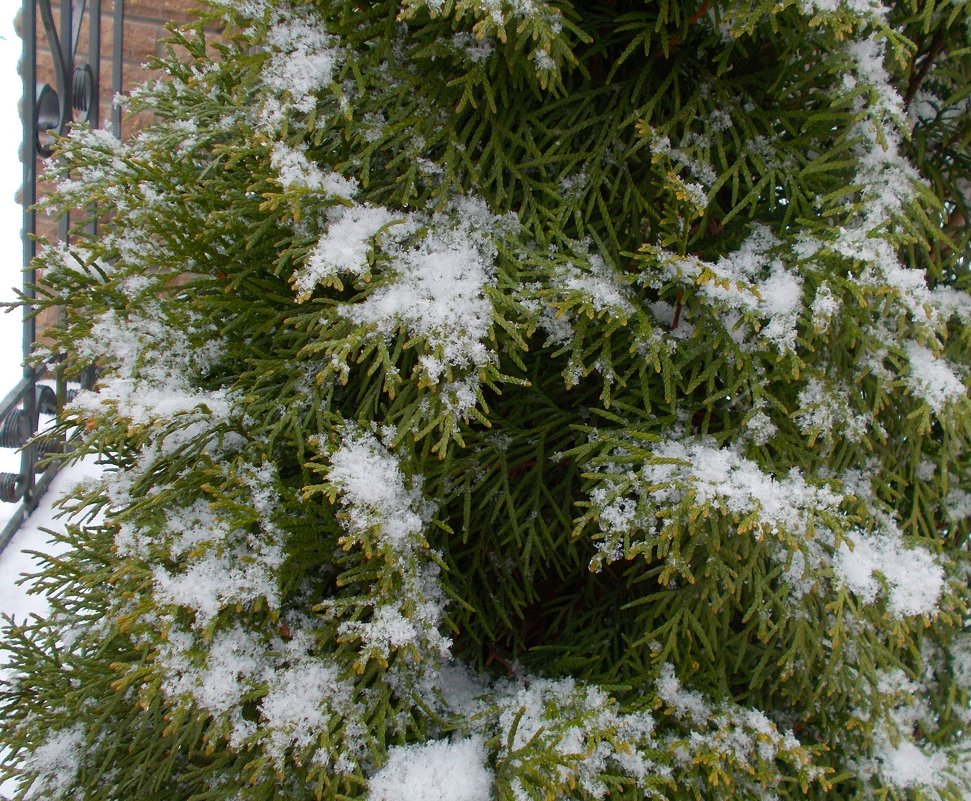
{"x": 917, "y": 75}
{"x": 677, "y": 310}
{"x": 676, "y": 40}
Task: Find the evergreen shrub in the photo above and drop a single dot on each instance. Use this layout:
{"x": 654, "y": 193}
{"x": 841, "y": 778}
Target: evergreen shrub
{"x": 517, "y": 399}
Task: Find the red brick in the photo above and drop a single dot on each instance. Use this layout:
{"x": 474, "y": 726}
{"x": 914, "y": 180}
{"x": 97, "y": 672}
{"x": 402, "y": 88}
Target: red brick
{"x": 179, "y": 11}
{"x": 144, "y": 26}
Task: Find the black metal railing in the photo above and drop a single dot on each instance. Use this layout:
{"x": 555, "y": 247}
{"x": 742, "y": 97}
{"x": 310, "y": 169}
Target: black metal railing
{"x": 48, "y": 109}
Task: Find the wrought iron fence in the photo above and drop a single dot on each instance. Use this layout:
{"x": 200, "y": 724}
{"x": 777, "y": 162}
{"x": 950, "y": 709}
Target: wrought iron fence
{"x": 72, "y": 92}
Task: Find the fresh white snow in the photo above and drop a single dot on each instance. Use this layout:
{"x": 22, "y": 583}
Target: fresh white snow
{"x": 15, "y": 562}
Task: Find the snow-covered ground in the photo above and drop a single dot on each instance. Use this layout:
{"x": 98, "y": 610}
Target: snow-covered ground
{"x": 10, "y": 222}
{"x": 15, "y": 561}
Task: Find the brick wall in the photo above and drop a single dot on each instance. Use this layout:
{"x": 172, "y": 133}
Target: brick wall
{"x": 144, "y": 25}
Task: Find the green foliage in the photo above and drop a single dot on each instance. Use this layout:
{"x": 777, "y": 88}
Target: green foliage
{"x": 569, "y": 398}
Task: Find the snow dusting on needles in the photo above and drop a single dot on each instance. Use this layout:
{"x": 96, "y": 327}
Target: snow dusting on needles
{"x": 825, "y": 307}
{"x": 345, "y": 246}
{"x": 153, "y": 363}
{"x": 235, "y": 566}
{"x": 296, "y": 171}
{"x": 578, "y": 727}
{"x": 293, "y": 708}
{"x": 913, "y": 575}
{"x": 825, "y": 407}
{"x": 382, "y": 508}
{"x": 56, "y": 762}
{"x": 598, "y": 284}
{"x": 497, "y": 10}
{"x": 233, "y": 658}
{"x": 707, "y": 476}
{"x": 686, "y": 703}
{"x": 888, "y": 180}
{"x": 222, "y": 576}
{"x": 437, "y": 289}
{"x": 440, "y": 770}
{"x": 932, "y": 379}
{"x": 302, "y": 692}
{"x": 830, "y": 6}
{"x": 302, "y": 58}
{"x": 430, "y": 275}
{"x": 905, "y": 765}
{"x": 374, "y": 490}
{"x": 721, "y": 475}
{"x": 752, "y": 280}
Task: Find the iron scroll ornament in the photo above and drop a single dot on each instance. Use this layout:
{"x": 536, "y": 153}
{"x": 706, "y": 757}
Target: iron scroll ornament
{"x": 48, "y": 112}
{"x": 75, "y": 96}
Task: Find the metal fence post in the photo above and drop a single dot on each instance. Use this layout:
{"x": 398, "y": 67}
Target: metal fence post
{"x": 74, "y": 95}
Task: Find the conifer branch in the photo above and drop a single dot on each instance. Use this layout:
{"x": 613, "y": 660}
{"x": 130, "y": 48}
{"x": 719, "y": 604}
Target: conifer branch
{"x": 919, "y": 73}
